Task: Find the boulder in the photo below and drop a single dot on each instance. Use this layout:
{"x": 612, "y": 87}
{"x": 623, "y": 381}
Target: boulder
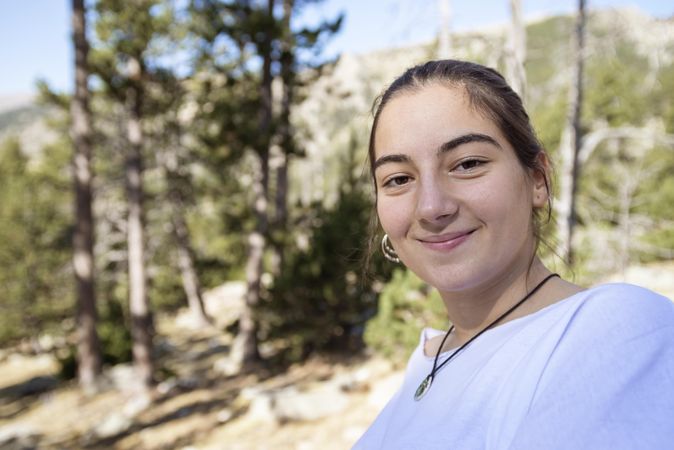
{"x": 112, "y": 425}
{"x": 291, "y": 404}
{"x": 18, "y": 436}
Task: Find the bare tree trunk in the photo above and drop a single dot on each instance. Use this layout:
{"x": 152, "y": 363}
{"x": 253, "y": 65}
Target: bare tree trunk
{"x": 284, "y": 134}
{"x": 142, "y": 329}
{"x": 88, "y": 344}
{"x": 445, "y": 40}
{"x": 245, "y": 346}
{"x": 188, "y": 273}
{"x": 570, "y": 147}
{"x": 625, "y": 194}
{"x": 517, "y": 50}
{"x": 169, "y": 161}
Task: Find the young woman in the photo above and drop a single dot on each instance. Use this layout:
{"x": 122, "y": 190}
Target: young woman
{"x": 531, "y": 361}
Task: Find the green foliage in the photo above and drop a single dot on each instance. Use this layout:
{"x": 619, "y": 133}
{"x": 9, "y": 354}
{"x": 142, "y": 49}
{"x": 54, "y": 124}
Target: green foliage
{"x": 613, "y": 92}
{"x": 406, "y": 305}
{"x": 545, "y": 56}
{"x": 115, "y": 337}
{"x": 661, "y": 101}
{"x": 35, "y": 234}
{"x": 206, "y": 115}
{"x": 323, "y": 296}
{"x": 655, "y": 200}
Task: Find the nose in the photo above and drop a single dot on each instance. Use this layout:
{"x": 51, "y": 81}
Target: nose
{"x": 435, "y": 203}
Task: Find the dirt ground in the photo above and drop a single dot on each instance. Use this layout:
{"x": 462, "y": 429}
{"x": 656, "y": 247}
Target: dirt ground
{"x": 196, "y": 408}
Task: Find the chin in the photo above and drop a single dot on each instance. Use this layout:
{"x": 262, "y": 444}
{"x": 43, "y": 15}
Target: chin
{"x": 447, "y": 279}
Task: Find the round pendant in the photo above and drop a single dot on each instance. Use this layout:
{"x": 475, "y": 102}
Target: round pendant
{"x": 423, "y": 387}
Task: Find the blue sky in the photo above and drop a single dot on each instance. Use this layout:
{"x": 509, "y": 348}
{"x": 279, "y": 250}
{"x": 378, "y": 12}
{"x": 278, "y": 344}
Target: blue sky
{"x": 36, "y": 42}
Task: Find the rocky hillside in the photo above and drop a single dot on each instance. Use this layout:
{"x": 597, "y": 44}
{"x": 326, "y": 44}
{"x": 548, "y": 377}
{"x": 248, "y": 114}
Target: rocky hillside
{"x": 336, "y": 114}
{"x": 22, "y": 118}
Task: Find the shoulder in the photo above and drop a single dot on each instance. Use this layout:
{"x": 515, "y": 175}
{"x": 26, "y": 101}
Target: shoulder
{"x": 611, "y": 363}
{"x": 614, "y": 316}
{"x": 620, "y": 302}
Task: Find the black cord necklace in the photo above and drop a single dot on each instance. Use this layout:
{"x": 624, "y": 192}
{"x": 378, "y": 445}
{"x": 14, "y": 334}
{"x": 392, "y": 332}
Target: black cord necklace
{"x": 425, "y": 385}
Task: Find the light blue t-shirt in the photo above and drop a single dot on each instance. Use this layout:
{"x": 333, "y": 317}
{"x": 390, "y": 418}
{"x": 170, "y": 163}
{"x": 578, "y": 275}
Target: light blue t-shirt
{"x": 593, "y": 371}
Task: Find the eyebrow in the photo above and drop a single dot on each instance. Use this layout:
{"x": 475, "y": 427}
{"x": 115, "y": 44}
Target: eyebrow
{"x": 466, "y": 139}
{"x": 446, "y": 147}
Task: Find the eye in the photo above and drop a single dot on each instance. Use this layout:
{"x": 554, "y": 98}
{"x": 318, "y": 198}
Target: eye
{"x": 397, "y": 181}
{"x": 468, "y": 165}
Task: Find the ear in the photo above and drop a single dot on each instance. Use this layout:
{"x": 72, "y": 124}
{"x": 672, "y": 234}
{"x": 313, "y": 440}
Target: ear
{"x": 541, "y": 181}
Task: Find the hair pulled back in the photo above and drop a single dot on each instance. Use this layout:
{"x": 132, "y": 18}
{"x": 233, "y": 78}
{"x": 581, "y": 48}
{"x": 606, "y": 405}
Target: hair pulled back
{"x": 489, "y": 93}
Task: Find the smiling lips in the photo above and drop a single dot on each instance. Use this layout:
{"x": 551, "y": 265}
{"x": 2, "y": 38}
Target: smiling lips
{"x": 445, "y": 242}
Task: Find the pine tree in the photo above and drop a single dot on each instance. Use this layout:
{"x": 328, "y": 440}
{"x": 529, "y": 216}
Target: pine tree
{"x": 88, "y": 346}
{"x": 126, "y": 31}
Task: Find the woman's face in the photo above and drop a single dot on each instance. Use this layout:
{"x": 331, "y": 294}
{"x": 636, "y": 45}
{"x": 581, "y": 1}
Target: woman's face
{"x": 451, "y": 193}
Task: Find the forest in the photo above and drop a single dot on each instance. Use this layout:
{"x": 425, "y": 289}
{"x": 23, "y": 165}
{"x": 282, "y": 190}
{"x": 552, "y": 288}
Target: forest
{"x": 210, "y": 172}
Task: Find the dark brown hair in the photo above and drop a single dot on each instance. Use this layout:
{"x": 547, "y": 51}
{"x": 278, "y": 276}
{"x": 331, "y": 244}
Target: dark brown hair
{"x": 489, "y": 93}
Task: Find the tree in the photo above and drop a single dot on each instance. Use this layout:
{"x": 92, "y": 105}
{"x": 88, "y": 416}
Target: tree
{"x": 177, "y": 182}
{"x": 259, "y": 47}
{"x": 445, "y": 44}
{"x": 570, "y": 145}
{"x": 517, "y": 50}
{"x": 36, "y": 220}
{"x": 88, "y": 345}
{"x": 126, "y": 31}
{"x": 244, "y": 349}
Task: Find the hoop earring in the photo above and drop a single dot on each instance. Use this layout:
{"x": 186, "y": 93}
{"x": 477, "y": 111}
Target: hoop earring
{"x": 388, "y": 250}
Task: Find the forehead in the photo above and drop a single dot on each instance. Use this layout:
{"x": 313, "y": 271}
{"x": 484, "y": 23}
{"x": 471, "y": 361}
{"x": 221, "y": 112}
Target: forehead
{"x": 427, "y": 117}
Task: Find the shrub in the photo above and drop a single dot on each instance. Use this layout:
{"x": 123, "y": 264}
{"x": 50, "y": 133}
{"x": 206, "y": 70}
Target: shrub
{"x": 406, "y": 305}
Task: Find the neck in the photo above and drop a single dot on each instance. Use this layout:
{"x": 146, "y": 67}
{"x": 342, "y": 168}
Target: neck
{"x": 472, "y": 310}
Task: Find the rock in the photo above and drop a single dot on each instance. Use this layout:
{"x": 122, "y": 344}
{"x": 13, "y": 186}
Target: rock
{"x": 18, "y": 436}
{"x": 114, "y": 424}
{"x": 189, "y": 383}
{"x": 226, "y": 366}
{"x": 136, "y": 405}
{"x": 123, "y": 377}
{"x": 167, "y": 386}
{"x": 225, "y": 302}
{"x": 224, "y": 415}
{"x": 260, "y": 409}
{"x": 383, "y": 389}
{"x": 186, "y": 319}
{"x": 293, "y": 405}
{"x": 353, "y": 433}
{"x": 164, "y": 346}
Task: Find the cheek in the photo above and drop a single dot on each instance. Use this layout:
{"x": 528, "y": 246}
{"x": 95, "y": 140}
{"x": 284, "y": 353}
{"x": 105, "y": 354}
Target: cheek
{"x": 391, "y": 216}
{"x": 502, "y": 199}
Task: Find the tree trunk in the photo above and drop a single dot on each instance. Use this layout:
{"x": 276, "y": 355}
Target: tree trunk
{"x": 88, "y": 345}
{"x": 570, "y": 147}
{"x": 141, "y": 319}
{"x": 169, "y": 161}
{"x": 444, "y": 40}
{"x": 245, "y": 346}
{"x": 188, "y": 273}
{"x": 284, "y": 133}
{"x": 625, "y": 194}
{"x": 517, "y": 50}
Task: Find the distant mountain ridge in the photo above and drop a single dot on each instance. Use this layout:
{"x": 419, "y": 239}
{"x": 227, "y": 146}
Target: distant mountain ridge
{"x": 336, "y": 111}
{"x": 21, "y": 117}
{"x": 15, "y": 101}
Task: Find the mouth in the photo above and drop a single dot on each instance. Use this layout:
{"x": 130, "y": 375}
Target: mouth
{"x": 445, "y": 241}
